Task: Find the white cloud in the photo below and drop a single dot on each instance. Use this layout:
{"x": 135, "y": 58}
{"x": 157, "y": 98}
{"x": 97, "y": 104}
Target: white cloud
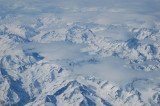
{"x": 137, "y": 13}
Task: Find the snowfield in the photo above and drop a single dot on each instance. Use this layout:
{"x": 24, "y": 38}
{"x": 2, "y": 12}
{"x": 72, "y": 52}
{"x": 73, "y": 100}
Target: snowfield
{"x": 79, "y": 53}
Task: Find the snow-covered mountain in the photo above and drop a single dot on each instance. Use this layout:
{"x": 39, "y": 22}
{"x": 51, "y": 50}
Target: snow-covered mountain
{"x": 49, "y": 58}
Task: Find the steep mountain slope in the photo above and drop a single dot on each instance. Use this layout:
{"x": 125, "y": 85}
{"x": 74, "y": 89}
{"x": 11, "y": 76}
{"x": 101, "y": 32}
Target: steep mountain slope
{"x": 28, "y": 79}
{"x": 104, "y": 53}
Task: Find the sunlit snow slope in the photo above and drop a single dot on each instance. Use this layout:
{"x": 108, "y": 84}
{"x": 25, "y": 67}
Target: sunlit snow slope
{"x": 79, "y": 53}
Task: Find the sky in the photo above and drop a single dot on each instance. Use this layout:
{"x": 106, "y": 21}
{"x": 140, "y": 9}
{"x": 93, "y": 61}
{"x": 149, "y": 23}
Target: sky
{"x": 98, "y": 11}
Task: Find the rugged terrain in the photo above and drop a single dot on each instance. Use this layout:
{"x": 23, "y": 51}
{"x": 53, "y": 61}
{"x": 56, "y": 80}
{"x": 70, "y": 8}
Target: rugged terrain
{"x": 35, "y": 72}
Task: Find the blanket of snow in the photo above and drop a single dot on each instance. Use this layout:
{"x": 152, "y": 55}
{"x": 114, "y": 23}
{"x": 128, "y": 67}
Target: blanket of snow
{"x": 80, "y": 52}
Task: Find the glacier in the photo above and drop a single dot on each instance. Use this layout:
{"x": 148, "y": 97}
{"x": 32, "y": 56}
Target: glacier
{"x": 79, "y": 53}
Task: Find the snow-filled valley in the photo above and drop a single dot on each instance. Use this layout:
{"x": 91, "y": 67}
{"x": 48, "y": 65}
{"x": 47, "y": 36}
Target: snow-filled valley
{"x": 79, "y": 53}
